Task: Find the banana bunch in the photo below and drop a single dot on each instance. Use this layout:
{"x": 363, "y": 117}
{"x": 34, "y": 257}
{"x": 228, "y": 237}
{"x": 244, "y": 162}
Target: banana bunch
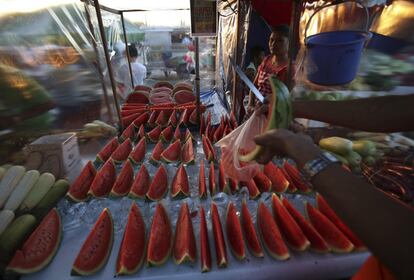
{"x": 96, "y": 128}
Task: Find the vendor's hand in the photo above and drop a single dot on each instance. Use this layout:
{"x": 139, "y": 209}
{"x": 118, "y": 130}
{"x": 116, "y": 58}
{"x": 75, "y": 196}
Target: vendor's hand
{"x": 250, "y": 110}
{"x": 283, "y": 142}
{"x": 263, "y": 108}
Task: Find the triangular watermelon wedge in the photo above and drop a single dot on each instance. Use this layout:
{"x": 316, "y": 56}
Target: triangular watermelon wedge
{"x": 138, "y": 154}
{"x": 180, "y": 186}
{"x": 159, "y": 185}
{"x": 128, "y": 132}
{"x": 156, "y": 153}
{"x": 279, "y": 182}
{"x": 154, "y": 135}
{"x": 187, "y": 153}
{"x": 177, "y": 134}
{"x": 167, "y": 134}
{"x": 185, "y": 249}
{"x": 141, "y": 120}
{"x": 79, "y": 189}
{"x": 202, "y": 188}
{"x": 141, "y": 184}
{"x": 123, "y": 181}
{"x": 153, "y": 118}
{"x": 188, "y": 135}
{"x": 172, "y": 121}
{"x": 172, "y": 153}
{"x": 107, "y": 150}
{"x": 223, "y": 184}
{"x": 129, "y": 119}
{"x": 193, "y": 117}
{"x": 208, "y": 149}
{"x": 212, "y": 180}
{"x": 161, "y": 120}
{"x": 141, "y": 132}
{"x": 104, "y": 180}
{"x": 122, "y": 152}
{"x": 202, "y": 125}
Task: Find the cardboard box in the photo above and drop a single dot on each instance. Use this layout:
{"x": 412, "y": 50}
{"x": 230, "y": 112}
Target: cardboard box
{"x": 57, "y": 154}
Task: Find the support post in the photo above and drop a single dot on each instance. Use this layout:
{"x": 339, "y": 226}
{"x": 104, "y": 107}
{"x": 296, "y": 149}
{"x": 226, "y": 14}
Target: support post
{"x": 127, "y": 51}
{"x": 293, "y": 42}
{"x": 197, "y": 79}
{"x": 108, "y": 61}
{"x": 235, "y": 97}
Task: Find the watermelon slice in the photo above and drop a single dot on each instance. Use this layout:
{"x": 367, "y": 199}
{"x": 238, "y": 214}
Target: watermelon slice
{"x": 154, "y": 135}
{"x": 163, "y": 84}
{"x": 291, "y": 187}
{"x": 279, "y": 182}
{"x": 193, "y": 117}
{"x": 202, "y": 189}
{"x": 325, "y": 209}
{"x": 184, "y": 96}
{"x": 296, "y": 177}
{"x": 160, "y": 238}
{"x": 336, "y": 240}
{"x": 263, "y": 182}
{"x": 161, "y": 120}
{"x": 97, "y": 247}
{"x": 289, "y": 228}
{"x": 223, "y": 184}
{"x": 143, "y": 88}
{"x": 138, "y": 154}
{"x": 137, "y": 98}
{"x": 104, "y": 180}
{"x": 141, "y": 132}
{"x": 212, "y": 180}
{"x": 41, "y": 246}
{"x": 177, "y": 134}
{"x": 208, "y": 149}
{"x": 234, "y": 185}
{"x": 234, "y": 232}
{"x": 250, "y": 234}
{"x": 79, "y": 189}
{"x": 233, "y": 120}
{"x": 141, "y": 184}
{"x": 132, "y": 250}
{"x": 153, "y": 117}
{"x": 317, "y": 243}
{"x": 128, "y": 133}
{"x": 202, "y": 125}
{"x": 123, "y": 181}
{"x": 272, "y": 239}
{"x": 122, "y": 152}
{"x": 253, "y": 189}
{"x": 172, "y": 121}
{"x": 107, "y": 151}
{"x": 167, "y": 134}
{"x": 130, "y": 118}
{"x": 205, "y": 254}
{"x": 185, "y": 249}
{"x": 172, "y": 153}
{"x": 218, "y": 133}
{"x": 141, "y": 120}
{"x": 180, "y": 186}
{"x": 159, "y": 185}
{"x": 130, "y": 111}
{"x": 188, "y": 135}
{"x": 187, "y": 153}
{"x": 156, "y": 153}
{"x": 220, "y": 244}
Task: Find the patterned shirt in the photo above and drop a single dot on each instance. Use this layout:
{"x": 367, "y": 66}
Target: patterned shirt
{"x": 267, "y": 69}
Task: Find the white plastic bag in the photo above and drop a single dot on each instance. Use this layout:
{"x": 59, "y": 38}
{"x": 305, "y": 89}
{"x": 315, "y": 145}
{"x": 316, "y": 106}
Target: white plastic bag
{"x": 241, "y": 141}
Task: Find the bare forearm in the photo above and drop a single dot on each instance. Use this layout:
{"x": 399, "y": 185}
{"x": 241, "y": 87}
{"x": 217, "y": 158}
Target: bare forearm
{"x": 380, "y": 114}
{"x": 384, "y": 224}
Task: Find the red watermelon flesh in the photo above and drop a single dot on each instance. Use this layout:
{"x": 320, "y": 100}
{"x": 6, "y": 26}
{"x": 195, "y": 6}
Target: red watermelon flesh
{"x": 41, "y": 246}
{"x": 141, "y": 184}
{"x": 159, "y": 185}
{"x": 130, "y": 118}
{"x": 263, "y": 182}
{"x": 97, "y": 247}
{"x": 250, "y": 234}
{"x": 208, "y": 149}
{"x": 180, "y": 186}
{"x": 289, "y": 228}
{"x": 233, "y": 120}
{"x": 234, "y": 185}
{"x": 137, "y": 97}
{"x": 153, "y": 117}
{"x": 79, "y": 189}
{"x": 129, "y": 111}
{"x": 202, "y": 189}
{"x": 172, "y": 121}
{"x": 202, "y": 125}
{"x": 161, "y": 120}
{"x": 187, "y": 154}
{"x": 138, "y": 154}
{"x": 167, "y": 134}
{"x": 184, "y": 96}
{"x": 193, "y": 117}
{"x": 234, "y": 233}
{"x": 336, "y": 240}
{"x": 132, "y": 250}
{"x": 156, "y": 153}
{"x": 172, "y": 152}
{"x": 205, "y": 254}
{"x": 177, "y": 134}
{"x": 104, "y": 180}
{"x": 122, "y": 152}
{"x": 143, "y": 88}
{"x": 129, "y": 132}
{"x": 212, "y": 179}
{"x": 317, "y": 243}
{"x": 325, "y": 209}
{"x": 154, "y": 135}
{"x": 141, "y": 120}
{"x": 279, "y": 182}
{"x": 161, "y": 97}
{"x": 160, "y": 238}
{"x": 185, "y": 249}
{"x": 272, "y": 239}
{"x": 123, "y": 181}
{"x": 296, "y": 177}
{"x": 223, "y": 184}
{"x": 187, "y": 135}
{"x": 219, "y": 242}
{"x": 107, "y": 150}
{"x": 253, "y": 189}
{"x": 163, "y": 84}
{"x": 141, "y": 132}
{"x": 291, "y": 187}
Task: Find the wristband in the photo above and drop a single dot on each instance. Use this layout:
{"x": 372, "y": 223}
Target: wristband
{"x": 315, "y": 166}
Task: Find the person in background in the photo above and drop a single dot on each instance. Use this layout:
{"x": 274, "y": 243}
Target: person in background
{"x": 257, "y": 55}
{"x": 274, "y": 64}
{"x": 139, "y": 71}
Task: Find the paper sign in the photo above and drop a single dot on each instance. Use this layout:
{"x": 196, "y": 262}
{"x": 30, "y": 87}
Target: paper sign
{"x": 203, "y": 18}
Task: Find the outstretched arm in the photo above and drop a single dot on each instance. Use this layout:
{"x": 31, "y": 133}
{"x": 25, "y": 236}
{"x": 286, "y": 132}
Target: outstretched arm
{"x": 378, "y": 114}
{"x": 384, "y": 224}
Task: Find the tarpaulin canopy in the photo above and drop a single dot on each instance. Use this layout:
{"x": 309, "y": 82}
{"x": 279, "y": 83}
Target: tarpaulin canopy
{"x": 273, "y": 12}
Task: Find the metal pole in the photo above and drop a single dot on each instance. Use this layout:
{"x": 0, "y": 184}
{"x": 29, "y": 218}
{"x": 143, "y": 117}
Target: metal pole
{"x": 98, "y": 64}
{"x": 127, "y": 51}
{"x": 197, "y": 79}
{"x": 236, "y": 59}
{"x": 293, "y": 44}
{"x": 108, "y": 61}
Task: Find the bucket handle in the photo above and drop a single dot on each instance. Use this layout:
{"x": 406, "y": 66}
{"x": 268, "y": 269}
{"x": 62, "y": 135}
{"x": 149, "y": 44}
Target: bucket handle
{"x": 333, "y": 4}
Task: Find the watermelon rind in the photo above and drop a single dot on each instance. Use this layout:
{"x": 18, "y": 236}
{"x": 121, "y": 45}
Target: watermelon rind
{"x": 48, "y": 259}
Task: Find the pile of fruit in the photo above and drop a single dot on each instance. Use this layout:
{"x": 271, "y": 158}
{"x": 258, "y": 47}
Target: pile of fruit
{"x": 96, "y": 128}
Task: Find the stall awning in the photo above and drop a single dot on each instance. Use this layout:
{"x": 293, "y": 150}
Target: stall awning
{"x": 274, "y": 12}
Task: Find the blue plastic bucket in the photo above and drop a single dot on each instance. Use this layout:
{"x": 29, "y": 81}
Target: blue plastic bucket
{"x": 333, "y": 57}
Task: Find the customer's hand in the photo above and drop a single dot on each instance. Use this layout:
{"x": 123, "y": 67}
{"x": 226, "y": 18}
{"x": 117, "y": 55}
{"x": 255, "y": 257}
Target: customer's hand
{"x": 282, "y": 142}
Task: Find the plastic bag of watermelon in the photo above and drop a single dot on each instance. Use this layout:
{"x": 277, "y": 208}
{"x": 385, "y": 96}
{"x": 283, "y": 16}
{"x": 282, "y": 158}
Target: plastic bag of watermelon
{"x": 240, "y": 141}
